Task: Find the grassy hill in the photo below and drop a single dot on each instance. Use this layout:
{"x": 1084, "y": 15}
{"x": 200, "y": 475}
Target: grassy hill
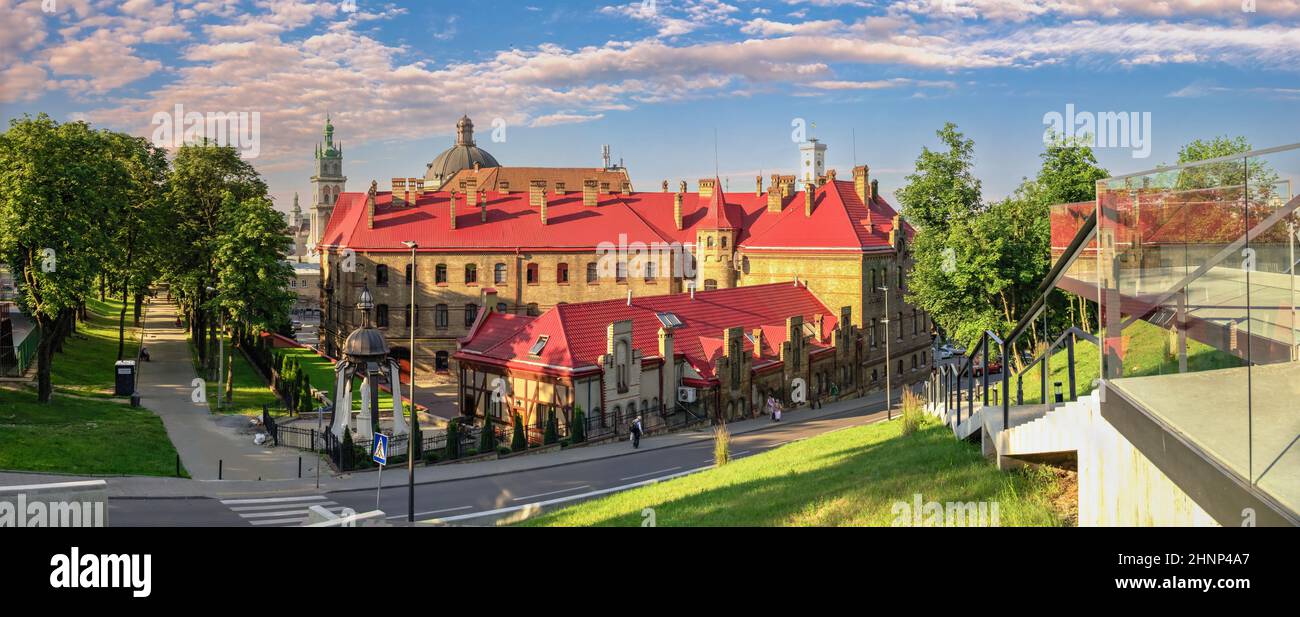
{"x": 81, "y": 435}
{"x": 86, "y": 365}
{"x": 852, "y": 477}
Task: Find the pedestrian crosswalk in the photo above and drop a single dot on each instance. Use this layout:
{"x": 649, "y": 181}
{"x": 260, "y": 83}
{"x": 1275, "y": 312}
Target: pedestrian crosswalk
{"x": 279, "y": 511}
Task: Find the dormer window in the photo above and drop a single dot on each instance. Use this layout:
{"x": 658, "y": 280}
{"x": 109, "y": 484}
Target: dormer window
{"x": 538, "y": 345}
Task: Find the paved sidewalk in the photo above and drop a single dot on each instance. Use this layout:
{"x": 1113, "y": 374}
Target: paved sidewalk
{"x": 204, "y": 441}
{"x": 138, "y": 486}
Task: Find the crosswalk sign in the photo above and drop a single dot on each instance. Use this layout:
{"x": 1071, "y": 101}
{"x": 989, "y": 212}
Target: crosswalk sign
{"x": 380, "y": 455}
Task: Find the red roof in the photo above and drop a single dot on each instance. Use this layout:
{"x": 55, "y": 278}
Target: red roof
{"x": 577, "y": 332}
{"x": 836, "y": 224}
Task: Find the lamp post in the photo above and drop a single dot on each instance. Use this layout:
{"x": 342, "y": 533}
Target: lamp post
{"x": 889, "y": 390}
{"x": 410, "y": 442}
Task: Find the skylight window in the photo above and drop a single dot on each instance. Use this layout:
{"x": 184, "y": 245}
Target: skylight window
{"x": 669, "y": 320}
{"x": 536, "y": 349}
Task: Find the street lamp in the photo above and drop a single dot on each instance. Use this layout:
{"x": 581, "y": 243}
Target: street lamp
{"x": 221, "y": 348}
{"x": 410, "y": 442}
{"x": 889, "y": 391}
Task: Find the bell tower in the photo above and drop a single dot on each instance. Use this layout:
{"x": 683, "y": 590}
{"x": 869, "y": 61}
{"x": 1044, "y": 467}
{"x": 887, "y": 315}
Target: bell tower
{"x": 327, "y": 183}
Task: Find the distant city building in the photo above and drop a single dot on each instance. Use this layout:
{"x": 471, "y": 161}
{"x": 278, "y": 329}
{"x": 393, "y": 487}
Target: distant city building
{"x": 567, "y": 236}
{"x": 327, "y": 183}
{"x": 306, "y": 285}
{"x": 299, "y": 228}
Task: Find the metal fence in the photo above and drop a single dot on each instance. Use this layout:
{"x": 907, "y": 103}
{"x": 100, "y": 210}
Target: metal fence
{"x": 25, "y": 353}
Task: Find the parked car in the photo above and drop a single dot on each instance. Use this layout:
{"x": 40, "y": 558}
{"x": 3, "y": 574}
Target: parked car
{"x": 942, "y": 353}
{"x": 995, "y": 368}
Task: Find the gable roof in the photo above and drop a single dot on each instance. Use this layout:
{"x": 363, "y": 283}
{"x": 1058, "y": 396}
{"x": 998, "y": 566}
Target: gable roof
{"x": 837, "y": 223}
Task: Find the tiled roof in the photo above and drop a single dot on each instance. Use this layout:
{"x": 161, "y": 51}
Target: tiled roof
{"x": 837, "y": 222}
{"x": 490, "y": 178}
{"x": 577, "y": 332}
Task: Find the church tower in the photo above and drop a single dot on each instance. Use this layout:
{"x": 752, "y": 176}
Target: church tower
{"x": 327, "y": 183}
{"x": 812, "y": 161}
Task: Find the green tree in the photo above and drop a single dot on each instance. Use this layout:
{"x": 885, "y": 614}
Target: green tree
{"x": 252, "y": 276}
{"x": 51, "y": 210}
{"x": 205, "y": 180}
{"x": 453, "y": 439}
{"x": 519, "y": 442}
{"x": 305, "y": 400}
{"x": 943, "y": 188}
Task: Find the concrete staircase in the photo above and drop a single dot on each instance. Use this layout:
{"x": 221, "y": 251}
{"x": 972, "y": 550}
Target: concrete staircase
{"x": 1059, "y": 431}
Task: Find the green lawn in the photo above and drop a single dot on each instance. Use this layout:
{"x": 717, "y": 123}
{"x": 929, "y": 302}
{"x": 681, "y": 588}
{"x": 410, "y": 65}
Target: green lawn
{"x": 86, "y": 365}
{"x": 852, "y": 477}
{"x": 249, "y": 390}
{"x": 1146, "y": 356}
{"x": 321, "y": 372}
{"x": 87, "y": 436}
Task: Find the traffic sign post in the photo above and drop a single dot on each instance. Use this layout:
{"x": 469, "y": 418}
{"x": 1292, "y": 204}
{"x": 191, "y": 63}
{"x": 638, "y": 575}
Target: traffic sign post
{"x": 380, "y": 455}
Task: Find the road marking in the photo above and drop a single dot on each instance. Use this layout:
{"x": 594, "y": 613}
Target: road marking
{"x": 576, "y": 488}
{"x": 651, "y": 473}
{"x": 284, "y": 511}
{"x": 235, "y": 502}
{"x": 457, "y": 509}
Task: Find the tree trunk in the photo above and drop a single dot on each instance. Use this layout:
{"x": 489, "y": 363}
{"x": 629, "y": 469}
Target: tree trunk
{"x": 44, "y": 357}
{"x": 121, "y": 326}
{"x": 139, "y": 303}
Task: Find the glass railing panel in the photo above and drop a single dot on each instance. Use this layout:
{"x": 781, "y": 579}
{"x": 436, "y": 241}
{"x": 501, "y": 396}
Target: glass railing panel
{"x": 1172, "y": 299}
{"x": 1274, "y": 420}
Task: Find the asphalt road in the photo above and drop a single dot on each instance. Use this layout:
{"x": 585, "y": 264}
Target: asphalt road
{"x": 483, "y": 500}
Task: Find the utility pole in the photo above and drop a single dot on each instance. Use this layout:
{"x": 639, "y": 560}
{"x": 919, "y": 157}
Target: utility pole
{"x": 410, "y": 440}
{"x": 889, "y": 390}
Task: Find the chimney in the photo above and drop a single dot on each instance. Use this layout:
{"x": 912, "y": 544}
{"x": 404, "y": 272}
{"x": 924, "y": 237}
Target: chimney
{"x": 370, "y": 204}
{"x": 758, "y": 342}
{"x": 774, "y": 201}
{"x": 677, "y": 209}
{"x": 629, "y": 296}
{"x": 817, "y": 326}
{"x": 690, "y": 286}
{"x": 810, "y": 198}
{"x": 542, "y": 205}
{"x": 681, "y": 186}
{"x": 589, "y": 192}
{"x": 758, "y": 186}
{"x": 419, "y": 185}
{"x": 604, "y": 188}
{"x": 706, "y": 187}
{"x": 471, "y": 193}
{"x": 451, "y": 210}
{"x": 559, "y": 188}
{"x": 875, "y": 189}
{"x": 536, "y": 192}
{"x": 896, "y": 232}
{"x": 399, "y": 188}
{"x": 665, "y": 186}
{"x": 482, "y": 209}
{"x": 668, "y": 371}
{"x": 860, "y": 175}
{"x": 831, "y": 174}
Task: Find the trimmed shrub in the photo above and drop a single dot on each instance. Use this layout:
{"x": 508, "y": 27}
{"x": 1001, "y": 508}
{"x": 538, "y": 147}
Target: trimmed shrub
{"x": 453, "y": 439}
{"x": 578, "y": 432}
{"x": 487, "y": 438}
{"x": 417, "y": 438}
{"x": 503, "y": 450}
{"x": 519, "y": 442}
{"x": 552, "y": 433}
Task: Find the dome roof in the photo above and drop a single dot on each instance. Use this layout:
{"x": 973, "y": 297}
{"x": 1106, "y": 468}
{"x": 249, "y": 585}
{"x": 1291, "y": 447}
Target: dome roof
{"x": 456, "y": 158}
{"x": 463, "y": 155}
{"x": 365, "y": 343}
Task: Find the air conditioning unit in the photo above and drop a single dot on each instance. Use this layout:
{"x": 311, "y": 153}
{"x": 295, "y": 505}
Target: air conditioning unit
{"x": 686, "y": 395}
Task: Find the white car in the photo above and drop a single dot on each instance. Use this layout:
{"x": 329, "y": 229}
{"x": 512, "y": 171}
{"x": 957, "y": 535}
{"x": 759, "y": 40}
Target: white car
{"x": 942, "y": 353}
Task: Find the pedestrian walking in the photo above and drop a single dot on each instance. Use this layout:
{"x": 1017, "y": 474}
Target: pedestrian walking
{"x": 636, "y": 432}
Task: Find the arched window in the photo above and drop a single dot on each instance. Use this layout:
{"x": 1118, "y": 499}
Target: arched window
{"x": 471, "y": 274}
{"x": 471, "y": 313}
{"x": 533, "y": 277}
{"x": 499, "y": 274}
{"x": 875, "y": 375}
{"x": 381, "y": 316}
{"x": 440, "y": 316}
{"x": 875, "y": 331}
{"x": 381, "y": 275}
{"x": 592, "y": 275}
{"x": 440, "y": 274}
{"x": 562, "y": 274}
{"x": 874, "y": 284}
{"x": 900, "y": 325}
{"x": 709, "y": 242}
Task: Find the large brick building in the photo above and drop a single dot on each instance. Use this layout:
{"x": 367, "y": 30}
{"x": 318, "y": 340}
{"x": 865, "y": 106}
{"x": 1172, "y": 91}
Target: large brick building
{"x": 524, "y": 250}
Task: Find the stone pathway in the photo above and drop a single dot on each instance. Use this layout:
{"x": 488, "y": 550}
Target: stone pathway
{"x": 208, "y": 444}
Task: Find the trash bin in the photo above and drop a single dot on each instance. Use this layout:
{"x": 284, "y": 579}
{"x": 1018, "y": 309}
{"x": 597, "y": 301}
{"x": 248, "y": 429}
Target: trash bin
{"x": 124, "y": 382}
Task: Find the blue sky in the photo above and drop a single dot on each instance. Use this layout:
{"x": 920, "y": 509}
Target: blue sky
{"x": 656, "y": 79}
